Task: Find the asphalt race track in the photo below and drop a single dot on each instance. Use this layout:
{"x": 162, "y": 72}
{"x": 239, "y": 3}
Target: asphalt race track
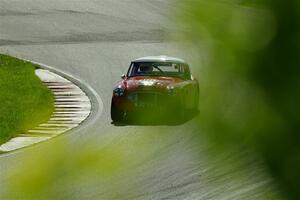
{"x": 94, "y": 40}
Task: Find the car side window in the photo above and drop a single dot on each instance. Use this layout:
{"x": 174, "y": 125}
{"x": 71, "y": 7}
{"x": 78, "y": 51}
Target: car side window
{"x": 132, "y": 69}
{"x": 186, "y": 69}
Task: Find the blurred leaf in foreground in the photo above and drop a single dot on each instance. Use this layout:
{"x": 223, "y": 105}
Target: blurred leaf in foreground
{"x": 250, "y": 81}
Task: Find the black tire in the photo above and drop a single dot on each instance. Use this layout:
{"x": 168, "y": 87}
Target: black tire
{"x": 116, "y": 114}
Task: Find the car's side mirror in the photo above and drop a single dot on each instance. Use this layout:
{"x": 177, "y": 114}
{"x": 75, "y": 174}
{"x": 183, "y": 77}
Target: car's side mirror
{"x": 123, "y": 76}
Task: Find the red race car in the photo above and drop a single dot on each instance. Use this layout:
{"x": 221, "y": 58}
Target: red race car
{"x": 156, "y": 86}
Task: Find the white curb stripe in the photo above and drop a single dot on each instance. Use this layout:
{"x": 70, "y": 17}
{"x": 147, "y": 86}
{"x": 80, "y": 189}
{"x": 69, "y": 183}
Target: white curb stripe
{"x": 61, "y": 86}
{"x": 62, "y": 122}
{"x": 60, "y": 119}
{"x": 20, "y": 142}
{"x": 58, "y": 125}
{"x": 51, "y": 128}
{"x": 70, "y": 115}
{"x": 71, "y": 99}
{"x": 71, "y": 112}
{"x": 72, "y": 107}
{"x": 46, "y": 131}
{"x": 67, "y": 93}
{"x": 77, "y": 102}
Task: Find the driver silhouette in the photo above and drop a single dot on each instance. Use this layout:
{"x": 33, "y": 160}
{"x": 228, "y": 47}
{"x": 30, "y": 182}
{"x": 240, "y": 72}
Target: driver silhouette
{"x": 145, "y": 69}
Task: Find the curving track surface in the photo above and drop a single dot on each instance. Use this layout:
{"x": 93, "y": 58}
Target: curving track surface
{"x": 94, "y": 40}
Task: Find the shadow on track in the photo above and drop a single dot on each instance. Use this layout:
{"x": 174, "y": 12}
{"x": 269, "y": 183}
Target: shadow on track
{"x": 153, "y": 121}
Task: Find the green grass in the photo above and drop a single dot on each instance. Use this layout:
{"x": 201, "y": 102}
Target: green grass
{"x": 25, "y": 101}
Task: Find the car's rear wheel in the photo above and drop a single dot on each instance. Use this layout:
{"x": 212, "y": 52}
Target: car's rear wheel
{"x": 117, "y": 115}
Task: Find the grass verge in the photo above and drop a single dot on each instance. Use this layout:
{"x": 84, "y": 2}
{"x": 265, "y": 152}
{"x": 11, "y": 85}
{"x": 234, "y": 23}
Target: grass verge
{"x": 25, "y": 101}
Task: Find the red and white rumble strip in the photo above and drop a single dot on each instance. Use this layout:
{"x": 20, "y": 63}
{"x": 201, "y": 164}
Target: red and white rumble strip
{"x": 72, "y": 107}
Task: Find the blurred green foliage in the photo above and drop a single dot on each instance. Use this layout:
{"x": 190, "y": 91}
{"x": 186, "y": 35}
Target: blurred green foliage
{"x": 25, "y": 101}
{"x": 102, "y": 169}
{"x": 250, "y": 79}
{"x": 56, "y": 174}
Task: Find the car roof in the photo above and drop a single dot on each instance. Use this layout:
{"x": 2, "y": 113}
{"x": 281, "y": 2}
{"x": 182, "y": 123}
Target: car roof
{"x": 159, "y": 59}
